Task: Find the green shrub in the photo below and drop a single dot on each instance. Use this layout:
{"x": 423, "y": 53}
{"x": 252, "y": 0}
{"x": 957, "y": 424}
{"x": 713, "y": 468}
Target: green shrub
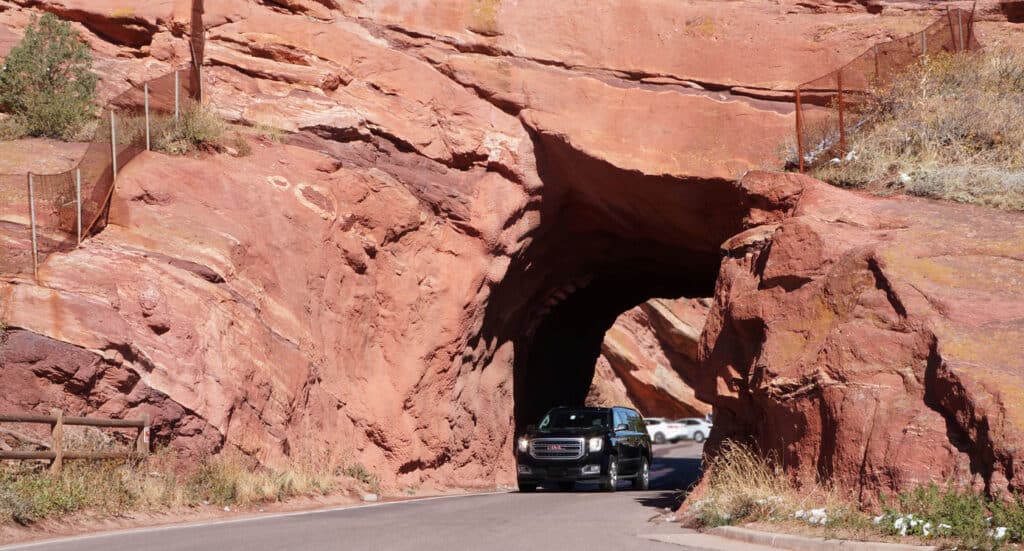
{"x": 28, "y": 495}
{"x": 46, "y": 81}
{"x": 197, "y": 128}
{"x": 952, "y": 129}
{"x": 359, "y": 472}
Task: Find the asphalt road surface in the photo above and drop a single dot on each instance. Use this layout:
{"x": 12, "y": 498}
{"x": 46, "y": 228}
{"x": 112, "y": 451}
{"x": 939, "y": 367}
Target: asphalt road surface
{"x": 584, "y": 519}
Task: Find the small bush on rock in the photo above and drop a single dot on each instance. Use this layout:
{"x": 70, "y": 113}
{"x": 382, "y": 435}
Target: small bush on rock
{"x": 46, "y": 81}
{"x": 197, "y": 128}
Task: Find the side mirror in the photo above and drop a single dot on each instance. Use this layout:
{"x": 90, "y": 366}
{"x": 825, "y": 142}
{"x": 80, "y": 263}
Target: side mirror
{"x": 621, "y": 426}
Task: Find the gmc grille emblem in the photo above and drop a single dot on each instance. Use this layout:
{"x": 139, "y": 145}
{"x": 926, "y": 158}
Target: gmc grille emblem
{"x": 555, "y": 447}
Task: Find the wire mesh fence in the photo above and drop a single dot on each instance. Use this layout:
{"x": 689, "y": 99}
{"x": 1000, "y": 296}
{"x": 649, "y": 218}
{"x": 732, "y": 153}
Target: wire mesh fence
{"x": 829, "y": 108}
{"x": 45, "y": 213}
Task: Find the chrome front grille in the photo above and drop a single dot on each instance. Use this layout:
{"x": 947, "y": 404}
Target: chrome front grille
{"x": 556, "y": 448}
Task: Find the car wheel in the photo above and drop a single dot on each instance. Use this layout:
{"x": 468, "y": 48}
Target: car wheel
{"x": 527, "y": 488}
{"x": 611, "y": 479}
{"x": 698, "y": 437}
{"x": 643, "y": 478}
{"x": 659, "y": 438}
{"x": 566, "y": 486}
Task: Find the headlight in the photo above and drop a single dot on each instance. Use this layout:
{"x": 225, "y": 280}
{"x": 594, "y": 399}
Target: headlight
{"x": 524, "y": 444}
{"x": 594, "y": 444}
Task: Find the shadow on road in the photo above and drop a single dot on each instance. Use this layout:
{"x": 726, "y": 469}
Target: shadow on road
{"x": 672, "y": 478}
{"x": 674, "y": 471}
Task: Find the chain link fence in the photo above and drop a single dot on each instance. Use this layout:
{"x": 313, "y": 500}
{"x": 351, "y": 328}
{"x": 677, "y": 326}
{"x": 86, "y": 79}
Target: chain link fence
{"x": 41, "y": 214}
{"x": 829, "y": 108}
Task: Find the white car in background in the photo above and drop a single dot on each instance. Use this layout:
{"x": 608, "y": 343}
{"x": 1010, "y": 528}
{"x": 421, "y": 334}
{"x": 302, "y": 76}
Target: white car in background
{"x": 662, "y": 430}
{"x": 695, "y": 428}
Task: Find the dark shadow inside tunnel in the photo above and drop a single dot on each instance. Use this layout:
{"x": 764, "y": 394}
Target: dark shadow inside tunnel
{"x": 555, "y": 362}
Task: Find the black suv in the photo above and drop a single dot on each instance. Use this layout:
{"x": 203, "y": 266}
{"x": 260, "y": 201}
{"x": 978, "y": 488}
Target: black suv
{"x": 578, "y": 444}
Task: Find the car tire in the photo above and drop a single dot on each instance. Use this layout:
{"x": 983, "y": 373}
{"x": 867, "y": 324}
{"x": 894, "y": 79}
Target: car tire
{"x": 566, "y": 486}
{"x": 698, "y": 437}
{"x": 527, "y": 488}
{"x": 643, "y": 478}
{"x": 611, "y": 478}
{"x": 659, "y": 438}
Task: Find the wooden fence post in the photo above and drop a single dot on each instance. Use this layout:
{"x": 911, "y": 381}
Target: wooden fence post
{"x": 32, "y": 221}
{"x": 142, "y": 441}
{"x": 799, "y": 131}
{"x": 58, "y": 442}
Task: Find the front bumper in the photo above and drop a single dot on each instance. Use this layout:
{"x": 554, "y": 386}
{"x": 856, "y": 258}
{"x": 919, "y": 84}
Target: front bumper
{"x": 531, "y": 470}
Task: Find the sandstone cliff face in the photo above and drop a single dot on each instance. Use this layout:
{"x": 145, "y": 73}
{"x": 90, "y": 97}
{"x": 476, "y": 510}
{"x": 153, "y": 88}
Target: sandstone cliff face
{"x": 472, "y": 192}
{"x": 875, "y": 342}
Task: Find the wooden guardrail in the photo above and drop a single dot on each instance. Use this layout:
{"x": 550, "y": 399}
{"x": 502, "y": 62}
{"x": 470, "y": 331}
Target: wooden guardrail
{"x": 57, "y": 454}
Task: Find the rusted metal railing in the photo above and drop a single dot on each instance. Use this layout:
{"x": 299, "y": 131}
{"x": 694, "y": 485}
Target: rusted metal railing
{"x": 57, "y": 454}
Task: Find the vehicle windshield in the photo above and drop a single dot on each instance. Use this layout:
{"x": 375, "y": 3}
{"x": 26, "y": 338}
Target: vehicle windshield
{"x": 574, "y": 419}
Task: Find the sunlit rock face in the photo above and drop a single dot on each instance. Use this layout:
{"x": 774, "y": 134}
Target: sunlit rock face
{"x": 648, "y": 356}
{"x": 470, "y": 194}
{"x": 873, "y": 342}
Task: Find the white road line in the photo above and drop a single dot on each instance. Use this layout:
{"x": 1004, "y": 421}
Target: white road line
{"x": 251, "y": 518}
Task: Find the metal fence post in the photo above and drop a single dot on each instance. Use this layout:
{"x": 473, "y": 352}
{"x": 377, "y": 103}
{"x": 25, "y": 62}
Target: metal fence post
{"x": 952, "y": 30}
{"x": 58, "y": 442}
{"x": 32, "y": 221}
{"x": 78, "y": 202}
{"x": 142, "y": 441}
{"x": 960, "y": 27}
{"x": 113, "y": 143}
{"x": 924, "y": 48}
{"x": 799, "y": 131}
{"x": 839, "y": 99}
{"x": 177, "y": 101}
{"x": 970, "y": 26}
{"x": 145, "y": 92}
{"x": 877, "y": 78}
{"x": 202, "y": 90}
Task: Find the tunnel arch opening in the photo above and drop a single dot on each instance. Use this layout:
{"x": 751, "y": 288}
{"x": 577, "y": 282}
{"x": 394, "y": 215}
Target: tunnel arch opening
{"x": 555, "y": 358}
{"x": 608, "y": 240}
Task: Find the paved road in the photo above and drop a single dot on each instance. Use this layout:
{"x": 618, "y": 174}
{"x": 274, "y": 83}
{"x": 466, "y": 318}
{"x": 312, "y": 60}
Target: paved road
{"x": 582, "y": 519}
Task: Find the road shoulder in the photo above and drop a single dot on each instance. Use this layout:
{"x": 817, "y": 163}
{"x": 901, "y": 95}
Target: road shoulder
{"x": 729, "y": 538}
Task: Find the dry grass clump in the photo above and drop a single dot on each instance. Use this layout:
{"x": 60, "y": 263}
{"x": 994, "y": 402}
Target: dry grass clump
{"x": 232, "y": 482}
{"x": 162, "y": 482}
{"x": 951, "y": 128}
{"x": 743, "y": 485}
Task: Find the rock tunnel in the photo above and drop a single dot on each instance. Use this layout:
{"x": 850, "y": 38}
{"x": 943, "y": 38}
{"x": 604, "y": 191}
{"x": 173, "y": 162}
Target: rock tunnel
{"x": 609, "y": 239}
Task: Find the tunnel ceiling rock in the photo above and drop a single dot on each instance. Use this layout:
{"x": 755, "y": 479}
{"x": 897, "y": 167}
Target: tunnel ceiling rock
{"x": 456, "y": 172}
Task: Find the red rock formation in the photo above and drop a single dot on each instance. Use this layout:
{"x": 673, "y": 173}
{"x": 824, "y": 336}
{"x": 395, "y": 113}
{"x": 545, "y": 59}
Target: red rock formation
{"x": 873, "y": 342}
{"x": 648, "y": 357}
